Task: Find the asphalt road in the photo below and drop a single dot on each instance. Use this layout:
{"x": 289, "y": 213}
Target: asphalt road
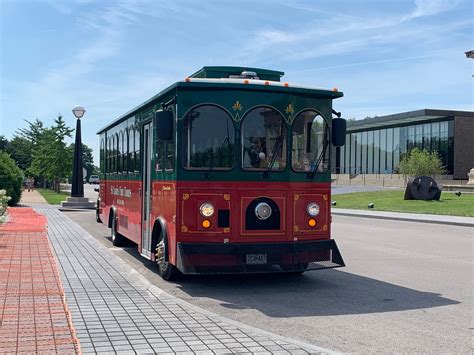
{"x": 407, "y": 288}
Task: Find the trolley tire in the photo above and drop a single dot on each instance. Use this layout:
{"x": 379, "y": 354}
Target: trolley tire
{"x": 97, "y": 215}
{"x": 117, "y": 239}
{"x": 166, "y": 270}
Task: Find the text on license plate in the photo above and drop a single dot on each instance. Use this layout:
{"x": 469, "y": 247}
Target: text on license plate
{"x": 256, "y": 259}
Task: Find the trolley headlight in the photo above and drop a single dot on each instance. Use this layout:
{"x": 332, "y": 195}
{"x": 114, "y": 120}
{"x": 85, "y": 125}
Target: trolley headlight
{"x": 206, "y": 209}
{"x": 263, "y": 211}
{"x": 312, "y": 209}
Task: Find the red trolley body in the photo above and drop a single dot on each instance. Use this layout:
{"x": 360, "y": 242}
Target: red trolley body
{"x": 225, "y": 172}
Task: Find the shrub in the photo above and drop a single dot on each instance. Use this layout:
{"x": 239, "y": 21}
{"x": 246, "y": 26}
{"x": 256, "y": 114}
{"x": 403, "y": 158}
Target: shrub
{"x": 11, "y": 178}
{"x": 3, "y": 202}
{"x": 421, "y": 162}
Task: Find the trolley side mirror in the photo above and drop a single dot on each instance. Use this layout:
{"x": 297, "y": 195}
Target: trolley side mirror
{"x": 164, "y": 125}
{"x": 338, "y": 132}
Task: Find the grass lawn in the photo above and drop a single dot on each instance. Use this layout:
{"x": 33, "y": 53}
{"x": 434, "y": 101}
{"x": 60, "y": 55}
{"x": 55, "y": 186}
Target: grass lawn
{"x": 52, "y": 197}
{"x": 392, "y": 200}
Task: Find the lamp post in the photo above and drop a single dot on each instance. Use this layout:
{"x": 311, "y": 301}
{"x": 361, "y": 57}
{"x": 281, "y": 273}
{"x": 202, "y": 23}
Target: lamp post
{"x": 77, "y": 188}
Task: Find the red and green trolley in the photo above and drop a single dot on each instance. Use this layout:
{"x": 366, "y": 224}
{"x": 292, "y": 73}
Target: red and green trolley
{"x": 227, "y": 171}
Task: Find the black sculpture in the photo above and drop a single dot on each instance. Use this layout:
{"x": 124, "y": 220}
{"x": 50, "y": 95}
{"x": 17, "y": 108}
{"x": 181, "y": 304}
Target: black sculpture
{"x": 422, "y": 188}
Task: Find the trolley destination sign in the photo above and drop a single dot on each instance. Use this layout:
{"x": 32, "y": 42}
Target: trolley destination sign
{"x": 227, "y": 171}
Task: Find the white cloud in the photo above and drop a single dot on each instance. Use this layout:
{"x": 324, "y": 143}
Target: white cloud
{"x": 430, "y": 7}
{"x": 345, "y": 33}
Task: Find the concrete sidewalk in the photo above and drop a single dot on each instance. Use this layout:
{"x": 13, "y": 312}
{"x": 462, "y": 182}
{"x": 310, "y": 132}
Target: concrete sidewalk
{"x": 117, "y": 310}
{"x": 31, "y": 197}
{"x": 409, "y": 217}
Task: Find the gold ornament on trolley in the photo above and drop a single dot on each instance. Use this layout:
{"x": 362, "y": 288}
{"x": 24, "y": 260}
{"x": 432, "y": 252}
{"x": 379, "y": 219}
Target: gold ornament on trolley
{"x": 185, "y": 196}
{"x": 184, "y": 229}
{"x": 237, "y": 107}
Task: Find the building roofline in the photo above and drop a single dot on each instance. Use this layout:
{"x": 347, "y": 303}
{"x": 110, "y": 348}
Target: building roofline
{"x": 405, "y": 118}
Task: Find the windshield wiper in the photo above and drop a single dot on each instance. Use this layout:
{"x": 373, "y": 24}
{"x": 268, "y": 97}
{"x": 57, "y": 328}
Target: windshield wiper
{"x": 317, "y": 159}
{"x": 277, "y": 145}
{"x": 208, "y": 172}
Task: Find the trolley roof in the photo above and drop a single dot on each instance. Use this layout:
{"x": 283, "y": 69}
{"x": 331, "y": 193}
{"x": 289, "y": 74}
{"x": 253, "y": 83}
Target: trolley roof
{"x": 214, "y": 77}
{"x": 213, "y": 72}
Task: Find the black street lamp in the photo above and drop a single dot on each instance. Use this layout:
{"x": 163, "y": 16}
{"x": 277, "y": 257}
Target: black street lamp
{"x": 77, "y": 188}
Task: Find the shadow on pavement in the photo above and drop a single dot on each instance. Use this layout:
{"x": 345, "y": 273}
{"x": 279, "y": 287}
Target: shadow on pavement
{"x": 324, "y": 292}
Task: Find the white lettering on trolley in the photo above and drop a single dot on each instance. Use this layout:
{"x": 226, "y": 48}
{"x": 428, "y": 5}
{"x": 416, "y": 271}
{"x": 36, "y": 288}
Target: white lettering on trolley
{"x": 118, "y": 191}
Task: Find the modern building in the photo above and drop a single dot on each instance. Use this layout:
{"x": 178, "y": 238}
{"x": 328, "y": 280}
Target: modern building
{"x": 375, "y": 145}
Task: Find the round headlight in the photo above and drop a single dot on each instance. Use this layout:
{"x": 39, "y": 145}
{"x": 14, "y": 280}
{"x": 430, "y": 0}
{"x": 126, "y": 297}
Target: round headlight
{"x": 206, "y": 209}
{"x": 312, "y": 209}
{"x": 263, "y": 210}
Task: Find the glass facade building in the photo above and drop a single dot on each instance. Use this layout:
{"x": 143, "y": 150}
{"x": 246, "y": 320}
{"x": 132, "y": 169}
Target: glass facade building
{"x": 376, "y": 145}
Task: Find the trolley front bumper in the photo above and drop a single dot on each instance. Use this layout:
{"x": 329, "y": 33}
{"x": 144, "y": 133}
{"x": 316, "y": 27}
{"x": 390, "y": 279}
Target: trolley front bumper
{"x": 233, "y": 258}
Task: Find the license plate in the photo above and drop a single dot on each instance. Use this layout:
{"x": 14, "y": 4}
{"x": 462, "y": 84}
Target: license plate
{"x": 256, "y": 259}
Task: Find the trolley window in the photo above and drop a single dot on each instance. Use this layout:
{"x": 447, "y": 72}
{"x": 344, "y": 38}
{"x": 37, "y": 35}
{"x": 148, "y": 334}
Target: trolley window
{"x": 310, "y": 140}
{"x": 263, "y": 140}
{"x": 208, "y": 139}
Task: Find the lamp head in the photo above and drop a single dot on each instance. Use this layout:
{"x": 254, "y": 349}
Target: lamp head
{"x": 78, "y": 111}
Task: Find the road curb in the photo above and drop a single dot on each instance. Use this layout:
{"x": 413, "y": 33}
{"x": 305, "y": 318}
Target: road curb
{"x": 420, "y": 219}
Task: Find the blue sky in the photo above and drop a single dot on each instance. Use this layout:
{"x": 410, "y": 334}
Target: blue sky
{"x": 386, "y": 56}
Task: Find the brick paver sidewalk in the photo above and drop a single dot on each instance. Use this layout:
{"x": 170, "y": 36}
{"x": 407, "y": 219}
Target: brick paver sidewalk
{"x": 117, "y": 310}
{"x": 33, "y": 313}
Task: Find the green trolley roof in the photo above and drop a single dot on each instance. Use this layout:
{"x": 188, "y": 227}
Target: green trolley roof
{"x": 214, "y": 72}
{"x": 217, "y": 77}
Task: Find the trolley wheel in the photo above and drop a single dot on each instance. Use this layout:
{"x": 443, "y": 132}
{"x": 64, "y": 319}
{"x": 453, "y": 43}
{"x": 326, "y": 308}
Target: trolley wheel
{"x": 117, "y": 239}
{"x": 166, "y": 270}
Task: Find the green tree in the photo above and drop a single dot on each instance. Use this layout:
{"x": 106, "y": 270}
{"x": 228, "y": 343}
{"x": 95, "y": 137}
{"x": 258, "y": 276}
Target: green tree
{"x": 87, "y": 159}
{"x": 33, "y": 133}
{"x": 11, "y": 178}
{"x": 50, "y": 156}
{"x": 20, "y": 150}
{"x": 418, "y": 162}
{"x": 3, "y": 143}
{"x": 24, "y": 143}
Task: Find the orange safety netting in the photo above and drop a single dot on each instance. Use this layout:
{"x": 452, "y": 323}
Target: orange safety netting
{"x": 34, "y": 317}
